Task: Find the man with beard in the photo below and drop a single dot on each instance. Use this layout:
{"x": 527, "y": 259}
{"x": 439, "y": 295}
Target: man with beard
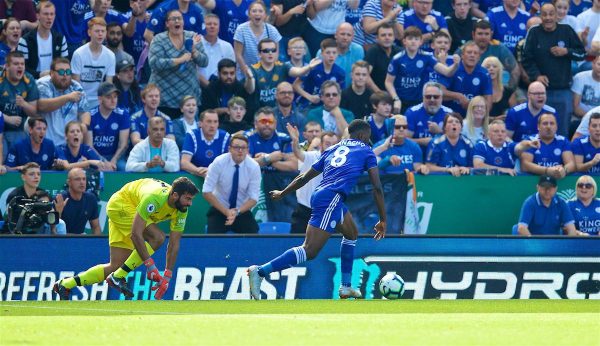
{"x": 425, "y": 119}
{"x": 61, "y": 100}
{"x": 133, "y": 234}
{"x": 34, "y": 148}
{"x": 554, "y": 156}
{"x": 77, "y": 206}
{"x": 285, "y": 112}
{"x": 221, "y": 89}
{"x": 41, "y": 45}
{"x": 114, "y": 37}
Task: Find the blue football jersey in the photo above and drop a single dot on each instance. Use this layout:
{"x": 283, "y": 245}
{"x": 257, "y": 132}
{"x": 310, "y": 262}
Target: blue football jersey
{"x": 549, "y": 155}
{"x": 409, "y": 154}
{"x": 85, "y": 151}
{"x": 193, "y": 20}
{"x": 582, "y": 146}
{"x": 139, "y": 123}
{"x": 443, "y": 154}
{"x": 500, "y": 157}
{"x": 411, "y": 74}
{"x": 343, "y": 163}
{"x": 587, "y": 219}
{"x": 204, "y": 152}
{"x": 524, "y": 124}
{"x": 21, "y": 153}
{"x": 469, "y": 84}
{"x": 106, "y": 131}
{"x": 69, "y": 19}
{"x": 409, "y": 18}
{"x": 134, "y": 45}
{"x": 509, "y": 31}
{"x": 418, "y": 119}
{"x": 315, "y": 78}
{"x": 230, "y": 17}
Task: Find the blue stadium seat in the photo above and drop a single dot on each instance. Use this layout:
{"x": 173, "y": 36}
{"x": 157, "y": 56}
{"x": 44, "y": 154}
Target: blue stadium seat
{"x": 274, "y": 228}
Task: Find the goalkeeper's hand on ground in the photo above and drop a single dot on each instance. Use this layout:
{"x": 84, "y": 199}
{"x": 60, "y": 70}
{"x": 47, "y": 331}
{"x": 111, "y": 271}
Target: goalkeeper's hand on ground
{"x": 151, "y": 271}
{"x": 163, "y": 285}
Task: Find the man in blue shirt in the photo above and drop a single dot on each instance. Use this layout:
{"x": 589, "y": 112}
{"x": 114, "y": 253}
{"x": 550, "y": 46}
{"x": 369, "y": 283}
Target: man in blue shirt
{"x": 522, "y": 119}
{"x": 553, "y": 156}
{"x": 425, "y": 119}
{"x": 34, "y": 148}
{"x": 426, "y": 19}
{"x": 109, "y": 127}
{"x": 269, "y": 148}
{"x": 508, "y": 23}
{"x": 70, "y": 21}
{"x": 397, "y": 153}
{"x": 470, "y": 80}
{"x": 587, "y": 149}
{"x": 203, "y": 145}
{"x": 231, "y": 15}
{"x": 341, "y": 165}
{"x": 133, "y": 40}
{"x": 77, "y": 206}
{"x": 543, "y": 213}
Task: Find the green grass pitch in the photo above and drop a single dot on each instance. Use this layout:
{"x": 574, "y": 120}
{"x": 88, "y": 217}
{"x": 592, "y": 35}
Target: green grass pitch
{"x": 301, "y": 322}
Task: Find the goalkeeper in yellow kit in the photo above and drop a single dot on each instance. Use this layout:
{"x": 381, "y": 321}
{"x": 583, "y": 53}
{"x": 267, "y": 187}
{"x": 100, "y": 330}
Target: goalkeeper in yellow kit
{"x": 133, "y": 234}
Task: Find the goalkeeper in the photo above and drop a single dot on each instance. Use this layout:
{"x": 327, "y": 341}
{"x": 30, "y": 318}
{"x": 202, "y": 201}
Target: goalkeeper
{"x": 133, "y": 234}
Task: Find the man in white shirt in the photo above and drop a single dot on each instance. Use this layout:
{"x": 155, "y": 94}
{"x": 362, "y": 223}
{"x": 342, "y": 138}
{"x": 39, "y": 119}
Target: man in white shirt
{"x": 232, "y": 186}
{"x": 155, "y": 153}
{"x": 215, "y": 48}
{"x": 93, "y": 63}
{"x": 586, "y": 89}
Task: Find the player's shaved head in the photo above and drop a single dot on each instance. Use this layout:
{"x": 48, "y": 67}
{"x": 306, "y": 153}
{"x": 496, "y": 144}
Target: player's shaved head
{"x": 359, "y": 129}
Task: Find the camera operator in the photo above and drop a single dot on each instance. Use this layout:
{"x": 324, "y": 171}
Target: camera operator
{"x": 30, "y": 190}
{"x": 60, "y": 227}
{"x": 77, "y": 206}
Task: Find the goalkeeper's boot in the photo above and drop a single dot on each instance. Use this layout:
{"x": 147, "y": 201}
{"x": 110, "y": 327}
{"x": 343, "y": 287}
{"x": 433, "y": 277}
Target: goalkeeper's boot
{"x": 255, "y": 281}
{"x": 346, "y": 292}
{"x": 120, "y": 284}
{"x": 62, "y": 291}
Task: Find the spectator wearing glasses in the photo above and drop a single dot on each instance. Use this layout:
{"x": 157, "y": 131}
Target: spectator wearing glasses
{"x": 330, "y": 115}
{"x": 175, "y": 56}
{"x": 396, "y": 153}
{"x": 587, "y": 149}
{"x": 269, "y": 148}
{"x": 425, "y": 119}
{"x": 231, "y": 187}
{"x": 62, "y": 100}
{"x": 584, "y": 207}
{"x": 522, "y": 119}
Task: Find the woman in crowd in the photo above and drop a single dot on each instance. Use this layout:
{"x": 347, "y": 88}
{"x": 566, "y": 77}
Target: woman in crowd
{"x": 9, "y": 39}
{"x": 74, "y": 153}
{"x": 248, "y": 34}
{"x": 175, "y": 56}
{"x": 585, "y": 207}
{"x": 562, "y": 11}
{"x": 188, "y": 121}
{"x": 374, "y": 14}
{"x": 503, "y": 97}
{"x": 451, "y": 152}
{"x": 475, "y": 125}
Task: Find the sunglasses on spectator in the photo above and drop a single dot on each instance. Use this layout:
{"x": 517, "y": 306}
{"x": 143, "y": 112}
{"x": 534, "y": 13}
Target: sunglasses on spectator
{"x": 400, "y": 126}
{"x": 268, "y": 50}
{"x": 64, "y": 71}
{"x": 585, "y": 185}
{"x": 328, "y": 95}
{"x": 431, "y": 97}
{"x": 266, "y": 121}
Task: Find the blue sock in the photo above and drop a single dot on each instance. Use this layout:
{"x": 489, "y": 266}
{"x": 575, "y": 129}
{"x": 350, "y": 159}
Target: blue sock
{"x": 347, "y": 259}
{"x": 288, "y": 259}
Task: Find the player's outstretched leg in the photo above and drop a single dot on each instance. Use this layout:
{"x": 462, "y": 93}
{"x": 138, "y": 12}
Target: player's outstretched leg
{"x": 315, "y": 239}
{"x": 350, "y": 234}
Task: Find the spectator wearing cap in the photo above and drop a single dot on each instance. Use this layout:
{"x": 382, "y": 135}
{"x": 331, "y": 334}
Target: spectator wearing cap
{"x": 155, "y": 153}
{"x": 175, "y": 56}
{"x": 62, "y": 100}
{"x": 128, "y": 86}
{"x": 543, "y": 213}
{"x": 109, "y": 128}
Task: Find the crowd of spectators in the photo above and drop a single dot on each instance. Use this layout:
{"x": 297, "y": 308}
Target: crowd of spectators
{"x": 509, "y": 86}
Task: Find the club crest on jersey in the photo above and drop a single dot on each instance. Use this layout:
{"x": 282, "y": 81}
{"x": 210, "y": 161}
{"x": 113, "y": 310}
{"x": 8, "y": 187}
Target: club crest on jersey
{"x": 150, "y": 208}
{"x": 209, "y": 153}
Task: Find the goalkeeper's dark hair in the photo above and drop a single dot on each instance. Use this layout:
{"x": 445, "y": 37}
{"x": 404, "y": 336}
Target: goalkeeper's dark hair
{"x": 183, "y": 185}
{"x": 358, "y": 127}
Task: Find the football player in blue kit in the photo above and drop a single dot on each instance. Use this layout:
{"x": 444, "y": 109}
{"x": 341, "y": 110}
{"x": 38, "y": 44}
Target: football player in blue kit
{"x": 341, "y": 166}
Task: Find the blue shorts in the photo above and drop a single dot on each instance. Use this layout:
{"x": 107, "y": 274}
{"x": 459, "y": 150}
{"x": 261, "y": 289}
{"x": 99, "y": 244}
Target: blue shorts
{"x": 328, "y": 210}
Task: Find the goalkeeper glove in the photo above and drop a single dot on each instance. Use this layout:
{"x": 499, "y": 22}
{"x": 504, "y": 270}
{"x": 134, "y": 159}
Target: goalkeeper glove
{"x": 163, "y": 285}
{"x": 151, "y": 271}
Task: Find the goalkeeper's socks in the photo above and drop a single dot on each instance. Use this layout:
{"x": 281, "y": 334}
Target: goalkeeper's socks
{"x": 89, "y": 277}
{"x": 133, "y": 261}
{"x": 347, "y": 260}
{"x": 288, "y": 259}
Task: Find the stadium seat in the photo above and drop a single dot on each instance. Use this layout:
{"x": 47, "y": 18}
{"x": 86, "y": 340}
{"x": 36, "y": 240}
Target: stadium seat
{"x": 274, "y": 228}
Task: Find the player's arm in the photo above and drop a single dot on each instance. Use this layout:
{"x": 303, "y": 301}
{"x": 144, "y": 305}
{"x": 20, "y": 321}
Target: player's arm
{"x": 379, "y": 201}
{"x": 297, "y": 183}
{"x": 389, "y": 86}
{"x": 137, "y": 236}
{"x": 95, "y": 224}
{"x": 173, "y": 249}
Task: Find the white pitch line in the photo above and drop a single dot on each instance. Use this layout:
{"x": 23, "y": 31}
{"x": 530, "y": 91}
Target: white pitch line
{"x": 97, "y": 310}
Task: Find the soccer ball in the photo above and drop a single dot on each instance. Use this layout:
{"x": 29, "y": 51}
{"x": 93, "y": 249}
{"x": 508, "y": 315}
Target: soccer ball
{"x": 391, "y": 286}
